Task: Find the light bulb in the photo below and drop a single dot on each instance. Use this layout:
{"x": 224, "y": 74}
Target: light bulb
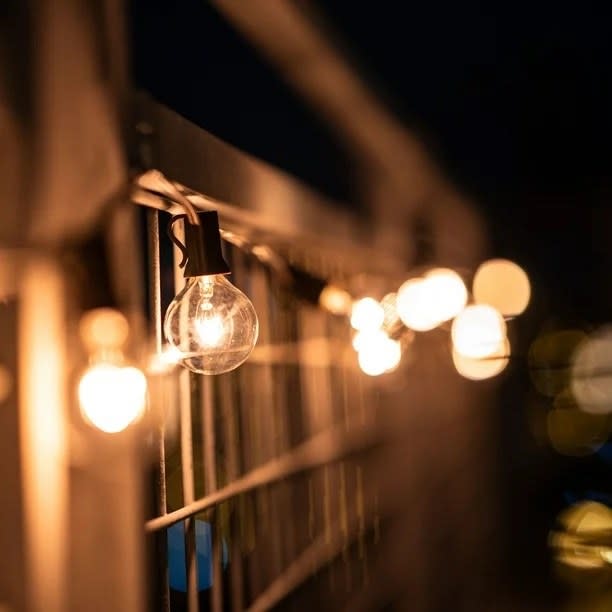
{"x": 478, "y": 331}
{"x": 446, "y": 292}
{"x": 424, "y": 303}
{"x": 335, "y": 300}
{"x": 112, "y": 396}
{"x": 414, "y": 306}
{"x": 503, "y": 284}
{"x": 480, "y": 369}
{"x": 212, "y": 324}
{"x": 367, "y": 313}
{"x": 377, "y": 353}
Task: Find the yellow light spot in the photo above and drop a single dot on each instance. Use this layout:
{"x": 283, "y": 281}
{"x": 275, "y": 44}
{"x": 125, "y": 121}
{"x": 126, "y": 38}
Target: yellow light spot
{"x": 550, "y": 358}
{"x": 572, "y": 432}
{"x": 503, "y": 284}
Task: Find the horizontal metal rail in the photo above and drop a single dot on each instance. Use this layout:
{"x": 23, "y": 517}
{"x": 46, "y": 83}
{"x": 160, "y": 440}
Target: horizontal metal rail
{"x": 328, "y": 446}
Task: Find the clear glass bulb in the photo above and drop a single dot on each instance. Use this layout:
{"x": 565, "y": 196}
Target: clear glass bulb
{"x": 213, "y": 324}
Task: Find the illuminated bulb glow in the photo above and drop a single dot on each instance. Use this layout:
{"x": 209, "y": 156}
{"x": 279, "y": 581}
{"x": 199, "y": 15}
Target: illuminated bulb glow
{"x": 446, "y": 293}
{"x": 111, "y": 397}
{"x": 377, "y": 353}
{"x": 211, "y": 324}
{"x": 414, "y": 306}
{"x": 367, "y": 313}
{"x": 210, "y": 329}
{"x": 335, "y": 300}
{"x": 478, "y": 331}
{"x": 103, "y": 327}
{"x": 502, "y": 284}
{"x": 480, "y": 369}
{"x": 425, "y": 302}
{"x": 165, "y": 361}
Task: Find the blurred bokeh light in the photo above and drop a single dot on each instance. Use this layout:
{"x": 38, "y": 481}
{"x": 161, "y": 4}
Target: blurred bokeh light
{"x": 549, "y": 359}
{"x": 503, "y": 284}
{"x": 377, "y": 353}
{"x": 367, "y": 313}
{"x": 481, "y": 369}
{"x": 478, "y": 331}
{"x": 592, "y": 373}
{"x": 573, "y": 433}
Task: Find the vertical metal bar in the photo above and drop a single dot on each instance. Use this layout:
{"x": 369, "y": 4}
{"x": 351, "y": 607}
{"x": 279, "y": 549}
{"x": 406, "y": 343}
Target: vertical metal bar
{"x": 229, "y": 409}
{"x": 187, "y": 471}
{"x": 42, "y": 391}
{"x": 188, "y": 489}
{"x": 210, "y": 480}
{"x": 156, "y": 320}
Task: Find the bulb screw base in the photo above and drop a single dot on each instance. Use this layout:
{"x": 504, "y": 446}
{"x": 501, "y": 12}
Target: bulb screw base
{"x": 202, "y": 249}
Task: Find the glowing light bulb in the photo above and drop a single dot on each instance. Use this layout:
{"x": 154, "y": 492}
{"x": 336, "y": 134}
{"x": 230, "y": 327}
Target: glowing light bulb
{"x": 503, "y": 284}
{"x": 335, "y": 300}
{"x": 480, "y": 369}
{"x": 377, "y": 353}
{"x": 446, "y": 293}
{"x": 212, "y": 324}
{"x": 111, "y": 396}
{"x": 367, "y": 313}
{"x": 478, "y": 331}
{"x": 414, "y": 306}
{"x": 425, "y": 302}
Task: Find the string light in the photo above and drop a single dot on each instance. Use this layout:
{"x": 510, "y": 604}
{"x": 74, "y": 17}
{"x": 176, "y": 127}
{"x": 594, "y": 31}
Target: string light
{"x": 111, "y": 392}
{"x": 502, "y": 284}
{"x": 481, "y": 369}
{"x": 211, "y": 323}
{"x": 367, "y": 313}
{"x": 478, "y": 331}
{"x": 377, "y": 353}
{"x": 425, "y": 302}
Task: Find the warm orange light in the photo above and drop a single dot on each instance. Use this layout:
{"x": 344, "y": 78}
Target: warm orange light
{"x": 165, "y": 361}
{"x": 335, "y": 300}
{"x": 478, "y": 331}
{"x": 6, "y": 382}
{"x": 111, "y": 396}
{"x": 103, "y": 328}
{"x": 367, "y": 313}
{"x": 502, "y": 284}
{"x": 480, "y": 369}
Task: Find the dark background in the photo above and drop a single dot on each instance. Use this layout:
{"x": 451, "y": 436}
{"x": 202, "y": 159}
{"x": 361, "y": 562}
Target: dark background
{"x": 513, "y": 100}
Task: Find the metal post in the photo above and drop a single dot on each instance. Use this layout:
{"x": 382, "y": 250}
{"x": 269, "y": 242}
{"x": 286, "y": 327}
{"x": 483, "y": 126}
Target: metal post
{"x": 210, "y": 485}
{"x": 156, "y": 324}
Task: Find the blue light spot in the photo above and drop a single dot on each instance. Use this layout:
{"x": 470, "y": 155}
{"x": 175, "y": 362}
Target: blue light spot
{"x": 176, "y": 556}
